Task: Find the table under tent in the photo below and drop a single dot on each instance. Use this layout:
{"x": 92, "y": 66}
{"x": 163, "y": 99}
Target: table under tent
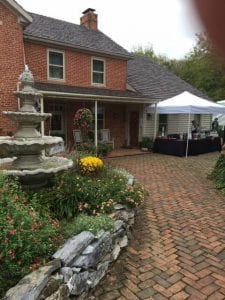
{"x": 189, "y": 104}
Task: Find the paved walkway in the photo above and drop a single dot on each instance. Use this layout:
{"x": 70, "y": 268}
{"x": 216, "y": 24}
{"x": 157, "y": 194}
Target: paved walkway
{"x": 177, "y": 244}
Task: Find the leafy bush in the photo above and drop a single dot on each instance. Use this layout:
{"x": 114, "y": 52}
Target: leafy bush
{"x": 146, "y": 142}
{"x": 90, "y": 223}
{"x": 90, "y": 164}
{"x": 104, "y": 149}
{"x": 87, "y": 148}
{"x": 62, "y": 198}
{"x": 218, "y": 174}
{"x": 73, "y": 193}
{"x": 25, "y": 236}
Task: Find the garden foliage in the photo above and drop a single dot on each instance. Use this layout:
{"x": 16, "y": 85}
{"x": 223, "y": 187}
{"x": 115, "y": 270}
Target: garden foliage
{"x": 97, "y": 193}
{"x": 25, "y": 236}
{"x": 79, "y": 198}
{"x": 218, "y": 174}
{"x": 84, "y": 222}
{"x": 90, "y": 164}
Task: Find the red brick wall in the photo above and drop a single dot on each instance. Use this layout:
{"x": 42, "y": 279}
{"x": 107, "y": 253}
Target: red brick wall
{"x": 11, "y": 64}
{"x": 77, "y": 67}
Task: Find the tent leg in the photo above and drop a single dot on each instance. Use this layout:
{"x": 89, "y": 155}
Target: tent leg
{"x": 189, "y": 121}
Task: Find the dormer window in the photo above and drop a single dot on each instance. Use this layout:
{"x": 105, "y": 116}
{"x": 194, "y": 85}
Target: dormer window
{"x": 56, "y": 65}
{"x": 98, "y": 71}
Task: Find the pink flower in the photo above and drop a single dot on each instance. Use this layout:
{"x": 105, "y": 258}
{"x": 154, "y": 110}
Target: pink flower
{"x": 5, "y": 240}
{"x": 12, "y": 231}
{"x": 11, "y": 254}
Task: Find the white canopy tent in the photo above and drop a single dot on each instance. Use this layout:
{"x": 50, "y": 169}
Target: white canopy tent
{"x": 187, "y": 103}
{"x": 220, "y": 117}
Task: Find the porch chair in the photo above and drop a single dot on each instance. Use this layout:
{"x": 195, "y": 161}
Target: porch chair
{"x": 77, "y": 137}
{"x": 105, "y": 137}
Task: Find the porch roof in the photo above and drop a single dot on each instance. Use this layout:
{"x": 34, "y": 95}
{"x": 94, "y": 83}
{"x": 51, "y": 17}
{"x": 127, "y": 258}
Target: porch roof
{"x": 51, "y": 90}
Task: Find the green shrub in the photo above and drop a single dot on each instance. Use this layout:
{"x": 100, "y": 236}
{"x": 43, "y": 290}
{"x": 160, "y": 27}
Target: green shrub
{"x": 61, "y": 198}
{"x": 87, "y": 148}
{"x": 73, "y": 193}
{"x": 25, "y": 236}
{"x": 146, "y": 142}
{"x": 104, "y": 149}
{"x": 218, "y": 174}
{"x": 87, "y": 223}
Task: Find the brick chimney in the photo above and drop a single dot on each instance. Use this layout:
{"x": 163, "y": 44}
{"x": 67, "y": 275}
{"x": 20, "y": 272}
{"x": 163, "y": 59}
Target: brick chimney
{"x": 89, "y": 19}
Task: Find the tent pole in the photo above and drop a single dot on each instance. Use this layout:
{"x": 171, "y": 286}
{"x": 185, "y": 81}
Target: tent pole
{"x": 155, "y": 120}
{"x": 189, "y": 121}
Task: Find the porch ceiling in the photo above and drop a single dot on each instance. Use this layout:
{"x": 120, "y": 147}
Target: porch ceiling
{"x": 91, "y": 94}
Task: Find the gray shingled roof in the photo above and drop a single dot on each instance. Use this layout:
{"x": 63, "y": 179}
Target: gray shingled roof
{"x": 87, "y": 91}
{"x": 155, "y": 81}
{"x": 72, "y": 35}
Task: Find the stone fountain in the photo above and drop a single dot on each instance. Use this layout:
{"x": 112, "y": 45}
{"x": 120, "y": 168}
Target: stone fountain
{"x": 25, "y": 148}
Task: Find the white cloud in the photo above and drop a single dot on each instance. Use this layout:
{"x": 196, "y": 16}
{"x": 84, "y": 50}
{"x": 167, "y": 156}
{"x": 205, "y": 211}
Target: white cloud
{"x": 167, "y": 25}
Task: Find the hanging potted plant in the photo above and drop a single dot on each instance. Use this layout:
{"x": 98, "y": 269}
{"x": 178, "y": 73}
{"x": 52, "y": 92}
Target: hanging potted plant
{"x": 82, "y": 120}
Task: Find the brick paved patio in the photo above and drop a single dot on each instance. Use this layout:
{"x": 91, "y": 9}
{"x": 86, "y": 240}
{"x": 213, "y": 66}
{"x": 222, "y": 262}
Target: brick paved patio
{"x": 176, "y": 248}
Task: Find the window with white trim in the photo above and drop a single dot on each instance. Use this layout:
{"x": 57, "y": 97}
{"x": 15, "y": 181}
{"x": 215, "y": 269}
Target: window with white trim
{"x": 100, "y": 118}
{"x": 98, "y": 71}
{"x": 55, "y": 65}
{"x": 57, "y": 120}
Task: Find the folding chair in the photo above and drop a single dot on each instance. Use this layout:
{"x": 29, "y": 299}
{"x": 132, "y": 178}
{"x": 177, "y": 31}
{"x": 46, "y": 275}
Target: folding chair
{"x": 77, "y": 137}
{"x": 105, "y": 137}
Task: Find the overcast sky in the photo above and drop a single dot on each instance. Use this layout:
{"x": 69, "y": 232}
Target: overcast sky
{"x": 168, "y": 25}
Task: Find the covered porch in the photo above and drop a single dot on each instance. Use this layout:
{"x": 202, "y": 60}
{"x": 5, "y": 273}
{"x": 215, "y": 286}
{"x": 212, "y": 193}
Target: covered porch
{"x": 121, "y": 113}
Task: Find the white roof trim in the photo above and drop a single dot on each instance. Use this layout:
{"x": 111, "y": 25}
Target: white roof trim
{"x": 26, "y": 18}
{"x": 89, "y": 97}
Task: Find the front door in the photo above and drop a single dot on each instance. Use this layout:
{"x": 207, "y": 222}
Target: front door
{"x": 134, "y": 128}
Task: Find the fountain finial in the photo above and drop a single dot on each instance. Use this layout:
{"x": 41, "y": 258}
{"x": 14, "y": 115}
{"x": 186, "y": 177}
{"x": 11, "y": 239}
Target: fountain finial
{"x": 27, "y": 79}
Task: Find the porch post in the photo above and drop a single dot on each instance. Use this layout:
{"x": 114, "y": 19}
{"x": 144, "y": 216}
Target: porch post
{"x": 96, "y": 124}
{"x": 42, "y": 122}
{"x": 155, "y": 120}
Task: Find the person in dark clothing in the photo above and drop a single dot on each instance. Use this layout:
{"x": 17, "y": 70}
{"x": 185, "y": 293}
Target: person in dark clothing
{"x": 215, "y": 125}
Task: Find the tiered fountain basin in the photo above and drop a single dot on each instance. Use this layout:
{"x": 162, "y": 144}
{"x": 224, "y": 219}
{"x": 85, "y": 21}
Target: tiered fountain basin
{"x": 36, "y": 177}
{"x": 11, "y": 146}
{"x": 24, "y": 153}
{"x": 26, "y": 161}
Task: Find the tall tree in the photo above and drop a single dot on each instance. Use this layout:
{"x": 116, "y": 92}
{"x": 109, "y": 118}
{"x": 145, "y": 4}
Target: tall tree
{"x": 204, "y": 69}
{"x": 201, "y": 67}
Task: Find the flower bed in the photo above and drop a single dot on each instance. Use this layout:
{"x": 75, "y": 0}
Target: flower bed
{"x": 31, "y": 227}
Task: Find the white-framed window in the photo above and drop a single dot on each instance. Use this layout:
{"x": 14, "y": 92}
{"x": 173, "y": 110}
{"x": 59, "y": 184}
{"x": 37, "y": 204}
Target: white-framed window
{"x": 100, "y": 118}
{"x": 57, "y": 120}
{"x": 98, "y": 71}
{"x": 56, "y": 64}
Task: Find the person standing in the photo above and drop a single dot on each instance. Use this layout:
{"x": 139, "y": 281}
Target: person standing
{"x": 215, "y": 125}
{"x": 194, "y": 126}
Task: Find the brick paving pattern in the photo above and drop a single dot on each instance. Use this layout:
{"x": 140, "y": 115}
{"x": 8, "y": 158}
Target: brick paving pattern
{"x": 176, "y": 248}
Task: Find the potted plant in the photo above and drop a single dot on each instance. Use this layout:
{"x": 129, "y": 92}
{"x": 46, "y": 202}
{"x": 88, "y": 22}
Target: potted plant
{"x": 82, "y": 120}
{"x": 146, "y": 143}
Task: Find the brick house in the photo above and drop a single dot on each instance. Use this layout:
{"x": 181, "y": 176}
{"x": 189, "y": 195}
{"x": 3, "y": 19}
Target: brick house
{"x": 74, "y": 66}
{"x": 77, "y": 66}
